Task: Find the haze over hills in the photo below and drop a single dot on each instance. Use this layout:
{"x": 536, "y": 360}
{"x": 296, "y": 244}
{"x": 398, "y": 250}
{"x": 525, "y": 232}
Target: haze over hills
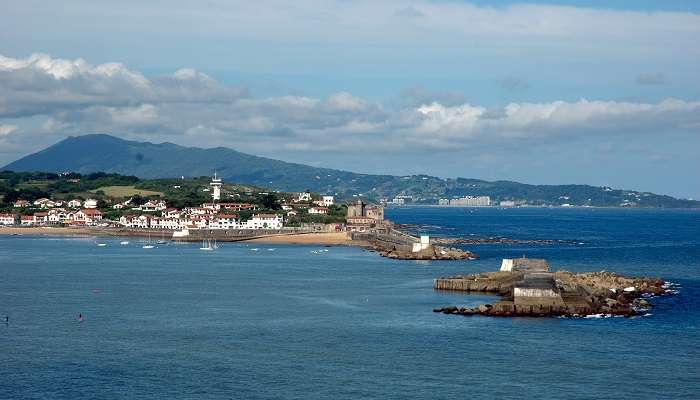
{"x": 101, "y": 152}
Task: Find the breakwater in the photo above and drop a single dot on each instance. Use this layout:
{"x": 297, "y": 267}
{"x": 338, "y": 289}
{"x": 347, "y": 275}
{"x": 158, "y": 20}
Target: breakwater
{"x": 392, "y": 243}
{"x": 560, "y": 293}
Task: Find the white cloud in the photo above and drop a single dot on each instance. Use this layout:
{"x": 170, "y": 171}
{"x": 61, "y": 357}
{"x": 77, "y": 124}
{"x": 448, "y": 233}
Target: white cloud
{"x": 74, "y": 97}
{"x": 7, "y": 129}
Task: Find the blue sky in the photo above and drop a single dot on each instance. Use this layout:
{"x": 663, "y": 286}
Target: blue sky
{"x": 598, "y": 92}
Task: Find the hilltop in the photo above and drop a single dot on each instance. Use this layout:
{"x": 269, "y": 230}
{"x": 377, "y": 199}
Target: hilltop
{"x": 106, "y": 153}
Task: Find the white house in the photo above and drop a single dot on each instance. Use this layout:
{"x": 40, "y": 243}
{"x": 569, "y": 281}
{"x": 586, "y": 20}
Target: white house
{"x": 21, "y": 203}
{"x": 328, "y": 201}
{"x": 132, "y": 221}
{"x": 318, "y": 210}
{"x": 44, "y": 203}
{"x": 171, "y": 223}
{"x": 90, "y": 203}
{"x": 264, "y": 221}
{"x": 87, "y": 216}
{"x": 75, "y": 203}
{"x": 58, "y": 216}
{"x": 225, "y": 221}
{"x": 304, "y": 196}
{"x": 153, "y": 206}
{"x": 171, "y": 213}
{"x": 41, "y": 218}
{"x": 7, "y": 219}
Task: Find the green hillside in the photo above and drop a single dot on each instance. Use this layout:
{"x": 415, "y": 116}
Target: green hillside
{"x": 100, "y": 152}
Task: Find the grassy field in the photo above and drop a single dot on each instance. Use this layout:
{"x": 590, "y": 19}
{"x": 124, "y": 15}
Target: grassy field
{"x": 126, "y": 191}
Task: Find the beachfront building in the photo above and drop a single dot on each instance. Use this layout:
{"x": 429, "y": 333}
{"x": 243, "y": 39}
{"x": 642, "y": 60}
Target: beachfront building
{"x": 134, "y": 221}
{"x": 27, "y": 220}
{"x": 41, "y": 218}
{"x": 87, "y": 216}
{"x": 264, "y": 221}
{"x": 7, "y": 219}
{"x": 59, "y": 216}
{"x": 224, "y": 221}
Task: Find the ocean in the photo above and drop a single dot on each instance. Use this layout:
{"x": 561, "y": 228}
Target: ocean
{"x": 309, "y": 322}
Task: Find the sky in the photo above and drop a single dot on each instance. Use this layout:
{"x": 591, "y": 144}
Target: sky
{"x": 545, "y": 92}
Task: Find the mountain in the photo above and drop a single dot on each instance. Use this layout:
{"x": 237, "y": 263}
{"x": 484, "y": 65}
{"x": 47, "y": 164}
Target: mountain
{"x": 101, "y": 152}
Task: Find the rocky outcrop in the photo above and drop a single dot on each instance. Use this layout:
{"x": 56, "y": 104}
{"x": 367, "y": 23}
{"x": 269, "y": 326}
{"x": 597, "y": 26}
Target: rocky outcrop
{"x": 431, "y": 253}
{"x": 578, "y": 294}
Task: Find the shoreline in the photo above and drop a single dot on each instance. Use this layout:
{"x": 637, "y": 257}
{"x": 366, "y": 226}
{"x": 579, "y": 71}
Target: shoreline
{"x": 311, "y": 238}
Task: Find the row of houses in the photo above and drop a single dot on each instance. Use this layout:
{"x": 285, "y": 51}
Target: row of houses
{"x": 86, "y": 216}
{"x": 45, "y": 203}
{"x": 202, "y": 221}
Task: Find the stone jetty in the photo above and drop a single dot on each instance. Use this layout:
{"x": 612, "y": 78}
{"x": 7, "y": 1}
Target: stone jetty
{"x": 529, "y": 289}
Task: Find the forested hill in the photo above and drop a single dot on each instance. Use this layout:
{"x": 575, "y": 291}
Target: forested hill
{"x": 105, "y": 153}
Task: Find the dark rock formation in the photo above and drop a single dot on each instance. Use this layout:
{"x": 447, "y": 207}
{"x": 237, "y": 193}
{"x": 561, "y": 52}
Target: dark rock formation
{"x": 570, "y": 294}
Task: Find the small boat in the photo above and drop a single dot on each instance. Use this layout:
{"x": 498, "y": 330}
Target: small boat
{"x": 124, "y": 243}
{"x": 148, "y": 244}
{"x": 208, "y": 245}
{"x": 162, "y": 240}
{"x": 101, "y": 244}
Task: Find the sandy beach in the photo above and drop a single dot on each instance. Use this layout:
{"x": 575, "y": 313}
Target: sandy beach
{"x": 320, "y": 238}
{"x": 325, "y": 238}
{"x": 45, "y": 230}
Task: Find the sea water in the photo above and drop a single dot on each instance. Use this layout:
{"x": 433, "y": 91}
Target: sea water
{"x": 301, "y": 323}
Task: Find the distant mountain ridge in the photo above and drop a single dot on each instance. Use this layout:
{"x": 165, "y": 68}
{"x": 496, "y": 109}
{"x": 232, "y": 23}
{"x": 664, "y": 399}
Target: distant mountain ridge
{"x": 106, "y": 153}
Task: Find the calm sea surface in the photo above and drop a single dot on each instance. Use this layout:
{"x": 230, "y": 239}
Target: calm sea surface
{"x": 294, "y": 322}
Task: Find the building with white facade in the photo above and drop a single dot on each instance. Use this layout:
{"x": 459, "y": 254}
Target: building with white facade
{"x": 328, "y": 201}
{"x": 21, "y": 203}
{"x": 304, "y": 196}
{"x": 90, "y": 203}
{"x": 75, "y": 203}
{"x": 318, "y": 210}
{"x": 471, "y": 201}
{"x": 7, "y": 219}
{"x": 264, "y": 221}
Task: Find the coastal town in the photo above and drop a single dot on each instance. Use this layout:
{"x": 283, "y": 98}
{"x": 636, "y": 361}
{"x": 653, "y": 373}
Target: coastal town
{"x": 156, "y": 214}
{"x": 274, "y": 216}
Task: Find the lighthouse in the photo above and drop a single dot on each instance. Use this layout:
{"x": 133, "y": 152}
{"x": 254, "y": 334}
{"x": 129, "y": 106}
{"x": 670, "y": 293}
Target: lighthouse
{"x": 216, "y": 188}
